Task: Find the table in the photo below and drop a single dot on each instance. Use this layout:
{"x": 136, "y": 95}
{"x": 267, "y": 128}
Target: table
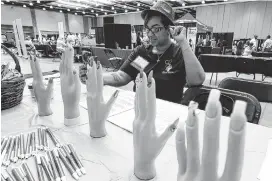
{"x": 229, "y": 63}
{"x": 111, "y": 157}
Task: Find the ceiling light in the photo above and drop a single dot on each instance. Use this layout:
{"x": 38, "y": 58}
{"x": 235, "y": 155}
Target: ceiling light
{"x": 51, "y": 7}
{"x": 138, "y": 9}
{"x": 59, "y": 5}
{"x": 106, "y": 13}
{"x": 183, "y": 4}
{"x": 203, "y": 2}
{"x": 115, "y": 12}
{"x": 112, "y": 8}
{"x": 68, "y": 9}
{"x": 138, "y": 4}
{"x": 73, "y": 4}
{"x": 96, "y": 14}
{"x": 225, "y": 0}
{"x": 83, "y": 12}
{"x": 126, "y": 10}
{"x": 24, "y": 6}
{"x": 102, "y": 9}
{"x": 2, "y": 3}
{"x": 76, "y": 7}
{"x": 44, "y": 9}
{"x": 125, "y": 6}
{"x": 60, "y": 11}
{"x": 7, "y": 0}
{"x": 31, "y": 4}
{"x": 38, "y": 1}
{"x": 96, "y": 4}
{"x": 75, "y": 13}
{"x": 92, "y": 11}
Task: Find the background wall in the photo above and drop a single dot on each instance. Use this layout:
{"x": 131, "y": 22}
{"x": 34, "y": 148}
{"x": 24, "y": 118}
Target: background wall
{"x": 133, "y": 19}
{"x": 76, "y": 23}
{"x": 48, "y": 20}
{"x": 11, "y": 13}
{"x": 244, "y": 19}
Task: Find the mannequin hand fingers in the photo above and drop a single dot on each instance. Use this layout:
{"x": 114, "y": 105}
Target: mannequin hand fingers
{"x": 112, "y": 100}
{"x": 181, "y": 149}
{"x": 236, "y": 143}
{"x": 100, "y": 83}
{"x": 193, "y": 161}
{"x": 168, "y": 132}
{"x": 142, "y": 95}
{"x": 211, "y": 137}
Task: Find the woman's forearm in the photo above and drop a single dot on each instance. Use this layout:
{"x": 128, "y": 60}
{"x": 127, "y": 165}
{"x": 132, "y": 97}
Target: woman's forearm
{"x": 116, "y": 79}
{"x": 195, "y": 74}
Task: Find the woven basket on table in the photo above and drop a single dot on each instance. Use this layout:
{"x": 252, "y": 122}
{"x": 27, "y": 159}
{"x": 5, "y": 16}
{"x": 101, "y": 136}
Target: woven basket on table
{"x": 12, "y": 90}
{"x": 83, "y": 68}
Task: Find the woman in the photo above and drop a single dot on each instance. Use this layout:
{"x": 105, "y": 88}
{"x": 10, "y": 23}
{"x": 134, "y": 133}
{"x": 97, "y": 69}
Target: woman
{"x": 139, "y": 38}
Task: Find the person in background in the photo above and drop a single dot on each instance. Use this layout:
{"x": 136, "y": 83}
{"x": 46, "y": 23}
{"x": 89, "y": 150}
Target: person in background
{"x": 267, "y": 46}
{"x": 213, "y": 42}
{"x": 172, "y": 64}
{"x": 234, "y": 47}
{"x": 248, "y": 50}
{"x": 255, "y": 42}
{"x": 240, "y": 48}
{"x": 29, "y": 44}
{"x": 139, "y": 38}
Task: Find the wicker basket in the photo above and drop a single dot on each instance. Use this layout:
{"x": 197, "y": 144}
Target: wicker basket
{"x": 12, "y": 90}
{"x": 83, "y": 68}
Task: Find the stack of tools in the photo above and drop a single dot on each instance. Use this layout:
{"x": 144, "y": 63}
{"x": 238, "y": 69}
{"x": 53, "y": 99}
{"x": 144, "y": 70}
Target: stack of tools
{"x": 49, "y": 161}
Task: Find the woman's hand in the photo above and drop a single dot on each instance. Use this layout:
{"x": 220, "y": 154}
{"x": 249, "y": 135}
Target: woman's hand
{"x": 70, "y": 84}
{"x": 147, "y": 143}
{"x": 43, "y": 95}
{"x": 98, "y": 109}
{"x": 190, "y": 168}
{"x": 178, "y": 33}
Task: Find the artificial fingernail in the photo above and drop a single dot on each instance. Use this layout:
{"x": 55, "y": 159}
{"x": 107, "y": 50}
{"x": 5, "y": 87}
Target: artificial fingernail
{"x": 213, "y": 102}
{"x": 98, "y": 64}
{"x": 116, "y": 93}
{"x": 150, "y": 76}
{"x": 238, "y": 116}
{"x": 174, "y": 125}
{"x": 141, "y": 73}
{"x": 191, "y": 119}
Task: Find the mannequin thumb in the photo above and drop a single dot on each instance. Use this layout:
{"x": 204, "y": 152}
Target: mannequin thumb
{"x": 168, "y": 132}
{"x": 112, "y": 99}
{"x": 50, "y": 84}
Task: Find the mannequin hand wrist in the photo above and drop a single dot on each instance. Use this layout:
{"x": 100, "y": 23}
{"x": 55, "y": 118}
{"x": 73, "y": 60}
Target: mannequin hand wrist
{"x": 144, "y": 171}
{"x": 44, "y": 109}
{"x": 71, "y": 111}
{"x": 97, "y": 128}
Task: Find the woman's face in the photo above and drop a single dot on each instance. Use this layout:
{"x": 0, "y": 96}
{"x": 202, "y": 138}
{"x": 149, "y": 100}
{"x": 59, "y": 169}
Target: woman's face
{"x": 156, "y": 32}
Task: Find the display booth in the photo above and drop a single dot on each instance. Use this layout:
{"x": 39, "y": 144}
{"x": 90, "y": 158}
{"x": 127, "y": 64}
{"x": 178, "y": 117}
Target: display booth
{"x": 195, "y": 30}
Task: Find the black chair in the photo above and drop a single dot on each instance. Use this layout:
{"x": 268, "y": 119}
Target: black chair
{"x": 227, "y": 99}
{"x": 227, "y": 50}
{"x": 261, "y": 90}
{"x": 115, "y": 61}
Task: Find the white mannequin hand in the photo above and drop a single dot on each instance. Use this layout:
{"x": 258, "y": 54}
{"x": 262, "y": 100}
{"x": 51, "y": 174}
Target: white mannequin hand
{"x": 43, "y": 95}
{"x": 147, "y": 143}
{"x": 190, "y": 168}
{"x": 70, "y": 84}
{"x": 97, "y": 108}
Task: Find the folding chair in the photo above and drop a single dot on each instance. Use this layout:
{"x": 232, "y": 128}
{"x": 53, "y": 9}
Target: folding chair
{"x": 261, "y": 90}
{"x": 227, "y": 99}
{"x": 115, "y": 61}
